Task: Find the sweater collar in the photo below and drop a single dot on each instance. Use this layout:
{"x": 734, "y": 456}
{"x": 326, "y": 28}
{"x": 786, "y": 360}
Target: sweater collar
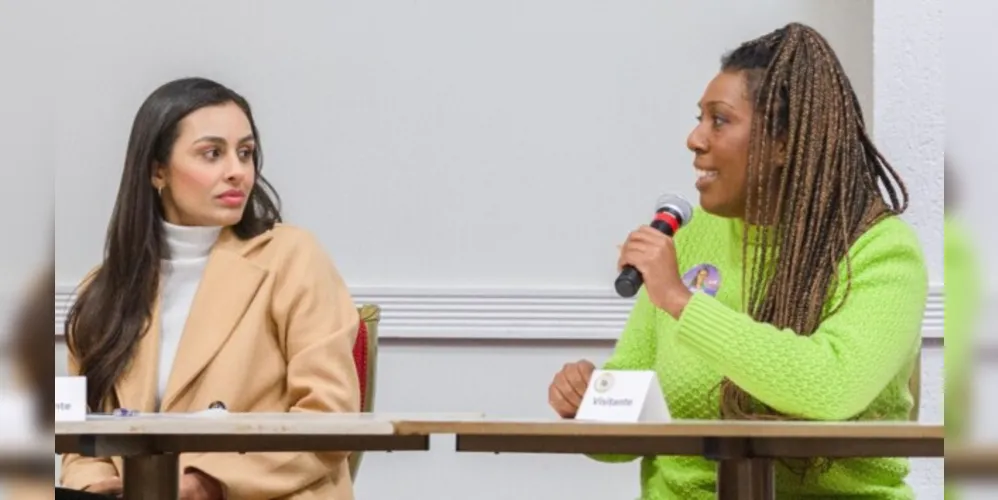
{"x": 190, "y": 242}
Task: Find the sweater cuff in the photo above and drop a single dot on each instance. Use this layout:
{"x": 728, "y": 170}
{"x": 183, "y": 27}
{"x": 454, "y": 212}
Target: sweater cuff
{"x": 710, "y": 327}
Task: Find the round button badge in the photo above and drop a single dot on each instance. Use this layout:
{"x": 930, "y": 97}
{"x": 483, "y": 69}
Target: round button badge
{"x": 703, "y": 277}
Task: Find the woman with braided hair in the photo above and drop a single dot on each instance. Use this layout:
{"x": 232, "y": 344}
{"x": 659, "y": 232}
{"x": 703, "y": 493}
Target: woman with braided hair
{"x": 819, "y": 287}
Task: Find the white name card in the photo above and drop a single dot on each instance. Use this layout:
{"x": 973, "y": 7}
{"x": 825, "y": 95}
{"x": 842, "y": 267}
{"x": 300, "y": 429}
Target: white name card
{"x": 624, "y": 397}
{"x": 70, "y": 399}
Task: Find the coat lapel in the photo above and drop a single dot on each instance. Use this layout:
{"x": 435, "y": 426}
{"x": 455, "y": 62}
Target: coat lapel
{"x": 227, "y": 288}
{"x": 139, "y": 385}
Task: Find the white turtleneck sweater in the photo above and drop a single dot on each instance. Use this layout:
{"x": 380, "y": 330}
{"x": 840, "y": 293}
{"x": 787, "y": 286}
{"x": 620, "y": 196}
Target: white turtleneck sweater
{"x": 181, "y": 273}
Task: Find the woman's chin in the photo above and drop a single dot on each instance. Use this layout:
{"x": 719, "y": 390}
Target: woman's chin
{"x": 719, "y": 207}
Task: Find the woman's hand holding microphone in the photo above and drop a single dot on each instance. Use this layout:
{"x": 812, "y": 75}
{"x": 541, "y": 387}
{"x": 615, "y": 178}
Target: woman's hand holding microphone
{"x": 653, "y": 254}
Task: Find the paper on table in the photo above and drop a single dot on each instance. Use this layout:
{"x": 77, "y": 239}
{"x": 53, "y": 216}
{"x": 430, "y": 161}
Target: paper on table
{"x": 212, "y": 413}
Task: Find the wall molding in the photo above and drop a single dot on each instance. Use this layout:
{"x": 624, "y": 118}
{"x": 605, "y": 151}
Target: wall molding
{"x": 533, "y": 313}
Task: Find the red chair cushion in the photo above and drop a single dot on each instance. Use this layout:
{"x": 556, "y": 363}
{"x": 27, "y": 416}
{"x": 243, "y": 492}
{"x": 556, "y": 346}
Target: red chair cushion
{"x": 360, "y": 360}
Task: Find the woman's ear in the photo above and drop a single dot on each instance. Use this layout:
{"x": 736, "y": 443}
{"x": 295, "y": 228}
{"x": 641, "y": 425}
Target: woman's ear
{"x": 158, "y": 177}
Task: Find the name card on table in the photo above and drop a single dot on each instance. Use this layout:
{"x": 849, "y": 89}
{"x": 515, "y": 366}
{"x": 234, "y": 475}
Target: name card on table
{"x": 624, "y": 397}
{"x": 70, "y": 399}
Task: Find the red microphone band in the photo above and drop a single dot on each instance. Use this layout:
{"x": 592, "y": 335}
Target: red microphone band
{"x": 669, "y": 219}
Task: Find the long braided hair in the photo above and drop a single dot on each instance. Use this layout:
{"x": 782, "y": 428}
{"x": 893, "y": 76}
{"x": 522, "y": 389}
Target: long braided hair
{"x": 814, "y": 180}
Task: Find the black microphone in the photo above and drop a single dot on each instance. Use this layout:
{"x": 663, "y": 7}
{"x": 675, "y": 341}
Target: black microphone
{"x": 671, "y": 213}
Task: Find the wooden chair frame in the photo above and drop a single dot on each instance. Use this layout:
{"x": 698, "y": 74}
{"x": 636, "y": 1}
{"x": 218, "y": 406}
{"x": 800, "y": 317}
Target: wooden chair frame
{"x": 370, "y": 315}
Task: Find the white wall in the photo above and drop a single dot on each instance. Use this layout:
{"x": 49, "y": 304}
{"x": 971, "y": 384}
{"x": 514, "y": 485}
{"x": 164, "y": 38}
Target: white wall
{"x": 470, "y": 166}
{"x": 909, "y": 114}
{"x": 480, "y": 137}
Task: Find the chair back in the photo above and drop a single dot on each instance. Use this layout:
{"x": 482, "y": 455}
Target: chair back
{"x": 365, "y": 356}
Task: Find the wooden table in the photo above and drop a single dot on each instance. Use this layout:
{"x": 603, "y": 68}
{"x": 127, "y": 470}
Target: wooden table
{"x": 150, "y": 444}
{"x": 744, "y": 450}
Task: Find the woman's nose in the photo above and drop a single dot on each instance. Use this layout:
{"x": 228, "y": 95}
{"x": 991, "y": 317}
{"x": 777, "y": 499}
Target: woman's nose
{"x": 695, "y": 142}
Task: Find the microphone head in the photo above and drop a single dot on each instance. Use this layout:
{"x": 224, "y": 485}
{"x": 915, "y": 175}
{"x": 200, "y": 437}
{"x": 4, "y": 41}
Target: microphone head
{"x": 679, "y": 206}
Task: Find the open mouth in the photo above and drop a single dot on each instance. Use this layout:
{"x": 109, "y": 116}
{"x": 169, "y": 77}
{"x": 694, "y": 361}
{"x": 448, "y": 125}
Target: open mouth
{"x": 705, "y": 177}
{"x": 706, "y": 174}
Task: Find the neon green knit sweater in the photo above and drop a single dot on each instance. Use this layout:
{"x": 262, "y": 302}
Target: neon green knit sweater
{"x": 858, "y": 362}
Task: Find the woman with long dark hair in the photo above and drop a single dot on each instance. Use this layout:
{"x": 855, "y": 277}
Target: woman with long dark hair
{"x": 205, "y": 298}
{"x": 817, "y": 308}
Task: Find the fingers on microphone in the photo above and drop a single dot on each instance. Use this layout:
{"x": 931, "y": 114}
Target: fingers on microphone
{"x": 635, "y": 257}
{"x": 641, "y": 245}
{"x": 648, "y": 234}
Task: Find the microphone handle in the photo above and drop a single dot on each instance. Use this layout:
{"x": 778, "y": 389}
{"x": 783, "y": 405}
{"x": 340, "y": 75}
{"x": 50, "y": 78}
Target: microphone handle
{"x": 630, "y": 280}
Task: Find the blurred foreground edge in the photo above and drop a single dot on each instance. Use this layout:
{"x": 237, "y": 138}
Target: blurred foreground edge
{"x": 972, "y": 463}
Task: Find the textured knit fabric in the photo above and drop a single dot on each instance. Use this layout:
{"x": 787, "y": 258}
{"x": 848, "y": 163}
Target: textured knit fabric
{"x": 856, "y": 365}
